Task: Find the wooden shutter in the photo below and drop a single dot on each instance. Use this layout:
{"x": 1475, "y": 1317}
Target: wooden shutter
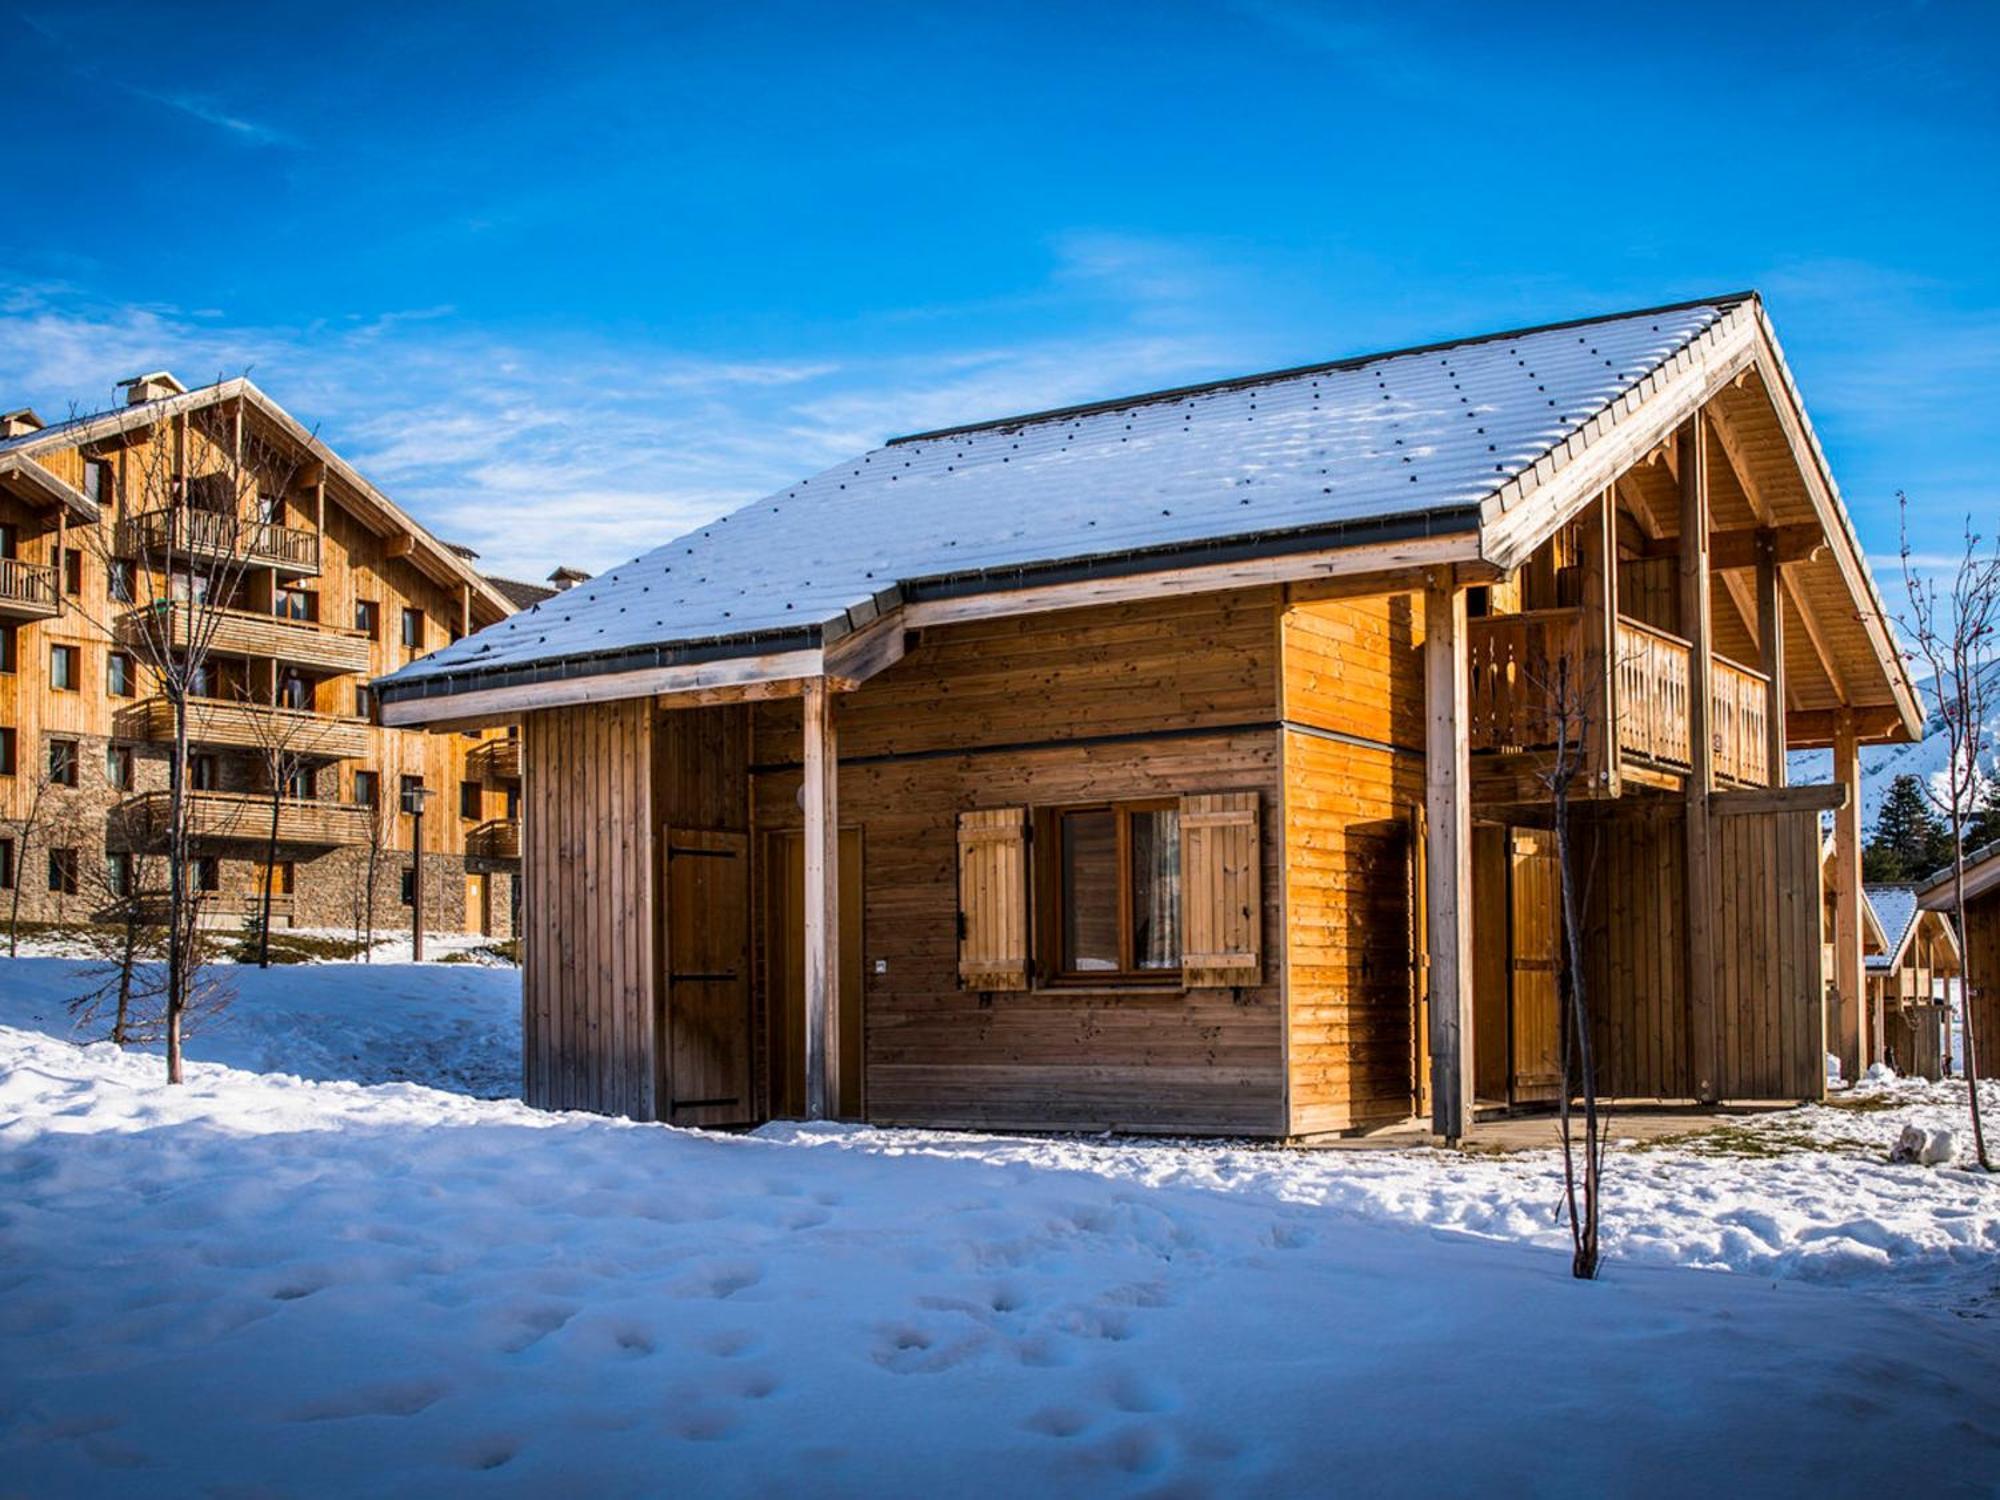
{"x": 1222, "y": 920}
{"x": 993, "y": 899}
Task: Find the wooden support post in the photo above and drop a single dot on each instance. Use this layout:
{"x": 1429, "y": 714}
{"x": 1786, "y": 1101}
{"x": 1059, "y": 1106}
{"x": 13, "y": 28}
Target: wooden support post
{"x": 1448, "y": 860}
{"x": 1771, "y": 654}
{"x": 465, "y": 609}
{"x": 1696, "y": 624}
{"x": 1847, "y": 968}
{"x": 822, "y": 901}
{"x": 62, "y": 560}
{"x": 1600, "y": 643}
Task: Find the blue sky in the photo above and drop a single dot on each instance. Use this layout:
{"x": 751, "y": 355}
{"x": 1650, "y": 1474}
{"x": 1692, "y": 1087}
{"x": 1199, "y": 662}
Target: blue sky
{"x": 567, "y": 281}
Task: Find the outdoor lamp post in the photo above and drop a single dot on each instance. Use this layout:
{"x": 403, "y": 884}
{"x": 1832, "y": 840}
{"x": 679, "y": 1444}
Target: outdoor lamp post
{"x": 413, "y": 803}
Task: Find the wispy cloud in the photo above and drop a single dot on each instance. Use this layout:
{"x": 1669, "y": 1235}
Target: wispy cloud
{"x": 563, "y": 449}
{"x": 210, "y": 111}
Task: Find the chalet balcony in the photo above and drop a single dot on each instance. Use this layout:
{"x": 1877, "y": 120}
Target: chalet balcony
{"x": 499, "y": 838}
{"x": 250, "y": 726}
{"x": 1515, "y": 660}
{"x": 244, "y": 632}
{"x": 155, "y": 533}
{"x": 245, "y": 817}
{"x": 498, "y": 760}
{"x": 27, "y": 590}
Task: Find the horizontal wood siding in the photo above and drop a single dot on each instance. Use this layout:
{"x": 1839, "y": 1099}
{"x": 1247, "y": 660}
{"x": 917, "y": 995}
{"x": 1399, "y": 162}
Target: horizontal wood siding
{"x": 1177, "y": 672}
{"x": 1352, "y": 667}
{"x": 590, "y": 1032}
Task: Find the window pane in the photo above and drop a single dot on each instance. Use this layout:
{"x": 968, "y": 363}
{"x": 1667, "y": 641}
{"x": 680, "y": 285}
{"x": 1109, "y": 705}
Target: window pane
{"x": 1156, "y": 889}
{"x": 1090, "y": 890}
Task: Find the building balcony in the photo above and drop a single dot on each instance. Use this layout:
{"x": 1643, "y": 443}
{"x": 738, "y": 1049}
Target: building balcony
{"x": 245, "y": 817}
{"x": 155, "y": 535}
{"x": 250, "y": 726}
{"x": 27, "y": 590}
{"x": 1516, "y": 660}
{"x": 497, "y": 760}
{"x": 498, "y": 839}
{"x": 244, "y": 632}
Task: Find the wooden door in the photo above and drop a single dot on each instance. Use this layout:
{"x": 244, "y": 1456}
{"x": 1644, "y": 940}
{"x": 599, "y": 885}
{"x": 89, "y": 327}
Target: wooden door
{"x": 1534, "y": 929}
{"x": 785, "y": 946}
{"x": 1492, "y": 967}
{"x": 707, "y": 1053}
{"x": 1418, "y": 874}
{"x": 478, "y": 909}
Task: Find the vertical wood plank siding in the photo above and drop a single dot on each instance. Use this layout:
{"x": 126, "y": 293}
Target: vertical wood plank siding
{"x": 590, "y": 1035}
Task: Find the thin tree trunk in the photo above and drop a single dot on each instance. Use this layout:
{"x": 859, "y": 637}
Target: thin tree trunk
{"x": 1967, "y": 991}
{"x": 1584, "y": 1263}
{"x": 177, "y": 891}
{"x": 270, "y": 870}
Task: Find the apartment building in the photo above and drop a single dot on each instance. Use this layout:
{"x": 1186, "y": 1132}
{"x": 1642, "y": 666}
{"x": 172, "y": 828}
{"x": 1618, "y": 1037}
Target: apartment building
{"x": 212, "y": 520}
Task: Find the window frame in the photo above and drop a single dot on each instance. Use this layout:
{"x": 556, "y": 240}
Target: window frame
{"x": 120, "y": 683}
{"x": 120, "y": 767}
{"x": 70, "y": 678}
{"x": 64, "y": 871}
{"x": 1050, "y": 899}
{"x": 374, "y": 782}
{"x": 71, "y": 752}
{"x": 411, "y": 633}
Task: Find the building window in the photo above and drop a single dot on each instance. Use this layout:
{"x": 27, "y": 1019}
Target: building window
{"x": 412, "y": 786}
{"x": 296, "y": 692}
{"x": 409, "y": 894}
{"x": 271, "y": 509}
{"x": 6, "y": 864}
{"x": 367, "y": 788}
{"x": 96, "y": 481}
{"x": 124, "y": 581}
{"x": 295, "y": 604}
{"x": 363, "y": 705}
{"x": 413, "y": 629}
{"x": 62, "y": 762}
{"x": 471, "y": 801}
{"x": 189, "y": 586}
{"x": 1117, "y": 891}
{"x": 6, "y": 648}
{"x": 207, "y": 872}
{"x": 367, "y": 617}
{"x": 280, "y": 876}
{"x": 10, "y": 540}
{"x": 6, "y": 751}
{"x": 202, "y": 773}
{"x": 62, "y": 871}
{"x": 299, "y": 784}
{"x": 201, "y": 681}
{"x": 118, "y": 872}
{"x": 118, "y": 675}
{"x": 72, "y": 571}
{"x": 65, "y": 675}
{"x": 118, "y": 767}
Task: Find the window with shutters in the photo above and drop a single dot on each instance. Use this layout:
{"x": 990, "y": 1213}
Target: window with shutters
{"x": 993, "y": 925}
{"x": 1110, "y": 878}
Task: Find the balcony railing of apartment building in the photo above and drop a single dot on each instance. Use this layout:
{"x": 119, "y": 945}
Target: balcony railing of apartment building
{"x": 245, "y": 817}
{"x": 1515, "y": 660}
{"x": 27, "y": 589}
{"x": 499, "y": 838}
{"x": 245, "y": 632}
{"x": 498, "y": 760}
{"x": 208, "y": 533}
{"x": 250, "y": 726}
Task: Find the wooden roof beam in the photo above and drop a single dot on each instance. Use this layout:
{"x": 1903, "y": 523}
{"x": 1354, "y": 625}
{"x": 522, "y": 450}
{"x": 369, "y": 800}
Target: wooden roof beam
{"x": 1738, "y": 550}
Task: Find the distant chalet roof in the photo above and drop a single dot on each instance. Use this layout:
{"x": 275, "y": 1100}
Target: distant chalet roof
{"x": 521, "y": 594}
{"x": 1896, "y": 908}
{"x": 1379, "y": 448}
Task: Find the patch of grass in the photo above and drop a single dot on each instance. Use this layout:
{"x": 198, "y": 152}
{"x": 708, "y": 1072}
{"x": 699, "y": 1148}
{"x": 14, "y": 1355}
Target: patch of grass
{"x": 298, "y": 948}
{"x": 1761, "y": 1142}
{"x": 1863, "y": 1104}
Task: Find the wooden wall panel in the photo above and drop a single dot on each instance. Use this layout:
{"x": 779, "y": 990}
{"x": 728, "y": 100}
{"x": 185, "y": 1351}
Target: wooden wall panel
{"x": 590, "y": 1029}
{"x": 1982, "y": 967}
{"x": 1768, "y": 983}
{"x": 1633, "y": 956}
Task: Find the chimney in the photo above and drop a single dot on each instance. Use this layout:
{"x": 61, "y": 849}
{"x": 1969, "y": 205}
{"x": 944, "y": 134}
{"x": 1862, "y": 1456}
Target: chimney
{"x": 567, "y": 578}
{"x": 20, "y": 423}
{"x": 142, "y": 388}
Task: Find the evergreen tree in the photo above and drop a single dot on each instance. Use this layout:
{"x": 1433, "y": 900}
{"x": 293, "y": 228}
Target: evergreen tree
{"x": 1910, "y": 840}
{"x": 1984, "y": 826}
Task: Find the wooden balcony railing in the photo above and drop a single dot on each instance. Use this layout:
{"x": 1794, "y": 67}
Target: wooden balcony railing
{"x": 154, "y": 534}
{"x": 245, "y": 632}
{"x": 249, "y": 726}
{"x": 499, "y": 838}
{"x": 245, "y": 817}
{"x": 1739, "y": 719}
{"x": 498, "y": 760}
{"x": 1653, "y": 692}
{"x": 27, "y": 589}
{"x": 1514, "y": 664}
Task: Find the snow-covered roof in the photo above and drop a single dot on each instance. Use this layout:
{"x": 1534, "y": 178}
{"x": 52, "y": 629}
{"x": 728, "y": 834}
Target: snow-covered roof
{"x": 1381, "y": 447}
{"x": 1896, "y": 909}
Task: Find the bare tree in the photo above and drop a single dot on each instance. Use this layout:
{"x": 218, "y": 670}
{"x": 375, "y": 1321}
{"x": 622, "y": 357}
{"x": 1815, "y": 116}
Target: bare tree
{"x": 370, "y": 872}
{"x": 1568, "y": 718}
{"x": 283, "y": 749}
{"x": 1955, "y": 630}
{"x": 198, "y": 489}
{"x": 41, "y": 804}
{"x": 128, "y": 894}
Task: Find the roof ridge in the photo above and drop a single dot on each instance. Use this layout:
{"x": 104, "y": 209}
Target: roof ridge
{"x": 1725, "y": 303}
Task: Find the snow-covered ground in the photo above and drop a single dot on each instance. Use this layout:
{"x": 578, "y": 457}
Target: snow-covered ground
{"x": 293, "y": 1276}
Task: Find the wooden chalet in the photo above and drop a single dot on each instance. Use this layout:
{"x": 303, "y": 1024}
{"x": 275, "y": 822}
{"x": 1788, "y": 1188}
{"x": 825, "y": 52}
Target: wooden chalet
{"x": 1979, "y": 959}
{"x": 1175, "y": 763}
{"x": 1909, "y": 982}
